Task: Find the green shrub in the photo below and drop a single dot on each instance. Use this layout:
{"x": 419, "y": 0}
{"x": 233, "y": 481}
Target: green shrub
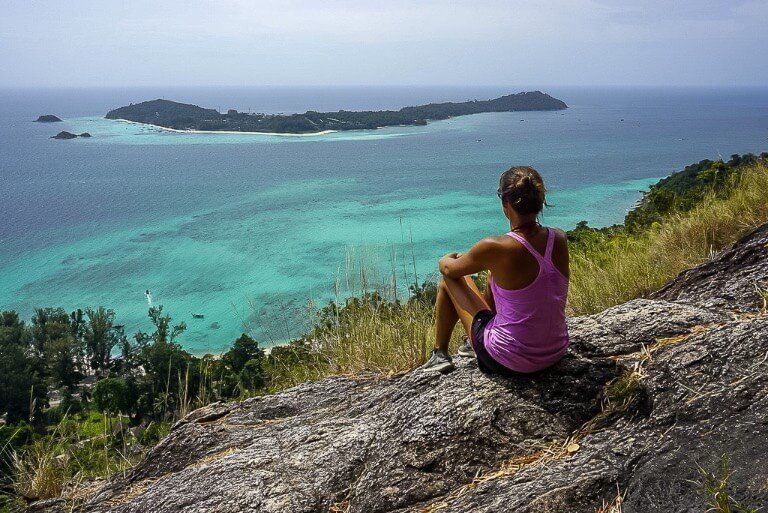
{"x": 154, "y": 432}
{"x": 111, "y": 395}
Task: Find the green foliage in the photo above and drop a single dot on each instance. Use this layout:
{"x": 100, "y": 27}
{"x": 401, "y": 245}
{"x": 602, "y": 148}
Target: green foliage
{"x": 49, "y": 324}
{"x": 154, "y": 383}
{"x": 79, "y": 447}
{"x": 252, "y": 376}
{"x": 12, "y": 438}
{"x": 293, "y": 363}
{"x": 164, "y": 331}
{"x": 717, "y": 490}
{"x": 11, "y": 503}
{"x": 12, "y": 330}
{"x": 613, "y": 265}
{"x": 111, "y": 396}
{"x": 101, "y": 336}
{"x": 679, "y": 224}
{"x": 15, "y": 436}
{"x": 63, "y": 356}
{"x": 242, "y": 367}
{"x": 154, "y": 432}
{"x": 425, "y": 293}
{"x": 70, "y": 404}
{"x": 243, "y": 350}
{"x": 22, "y": 388}
{"x": 684, "y": 190}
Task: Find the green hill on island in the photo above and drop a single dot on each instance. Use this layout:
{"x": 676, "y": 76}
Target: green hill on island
{"x": 182, "y": 116}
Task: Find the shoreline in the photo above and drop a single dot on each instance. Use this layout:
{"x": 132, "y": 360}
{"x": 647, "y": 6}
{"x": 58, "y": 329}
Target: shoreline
{"x": 229, "y": 132}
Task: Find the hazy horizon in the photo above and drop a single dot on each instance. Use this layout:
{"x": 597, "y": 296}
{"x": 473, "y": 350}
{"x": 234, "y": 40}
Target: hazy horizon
{"x": 235, "y": 43}
{"x": 513, "y": 88}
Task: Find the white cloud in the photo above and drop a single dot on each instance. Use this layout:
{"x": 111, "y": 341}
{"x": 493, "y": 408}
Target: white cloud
{"x": 343, "y": 41}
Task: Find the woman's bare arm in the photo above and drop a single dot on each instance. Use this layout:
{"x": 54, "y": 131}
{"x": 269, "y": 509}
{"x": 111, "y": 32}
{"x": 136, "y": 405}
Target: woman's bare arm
{"x": 456, "y": 265}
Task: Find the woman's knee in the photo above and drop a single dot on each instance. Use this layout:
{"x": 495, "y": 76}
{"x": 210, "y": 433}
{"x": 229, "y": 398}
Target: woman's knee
{"x": 443, "y": 283}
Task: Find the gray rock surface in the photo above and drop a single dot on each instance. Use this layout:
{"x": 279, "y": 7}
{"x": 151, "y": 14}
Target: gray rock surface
{"x": 559, "y": 441}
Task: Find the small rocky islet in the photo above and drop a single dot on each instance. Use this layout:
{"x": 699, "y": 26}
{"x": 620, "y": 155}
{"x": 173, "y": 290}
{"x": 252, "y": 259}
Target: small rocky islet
{"x": 69, "y": 135}
{"x": 48, "y": 118}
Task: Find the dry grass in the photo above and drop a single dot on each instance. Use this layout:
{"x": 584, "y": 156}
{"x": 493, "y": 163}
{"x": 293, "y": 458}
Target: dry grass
{"x": 762, "y": 291}
{"x": 620, "y": 392}
{"x": 615, "y": 506}
{"x": 379, "y": 338}
{"x": 39, "y": 471}
{"x": 369, "y": 336}
{"x": 629, "y": 266}
{"x": 64, "y": 462}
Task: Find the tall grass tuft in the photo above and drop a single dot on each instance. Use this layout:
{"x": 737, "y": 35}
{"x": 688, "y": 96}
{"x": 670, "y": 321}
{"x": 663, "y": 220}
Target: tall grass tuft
{"x": 627, "y": 265}
{"x": 80, "y": 448}
{"x": 374, "y": 335}
{"x": 40, "y": 470}
{"x": 366, "y": 334}
{"x": 716, "y": 490}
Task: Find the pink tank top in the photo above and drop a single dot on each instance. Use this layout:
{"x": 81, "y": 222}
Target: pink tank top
{"x": 528, "y": 332}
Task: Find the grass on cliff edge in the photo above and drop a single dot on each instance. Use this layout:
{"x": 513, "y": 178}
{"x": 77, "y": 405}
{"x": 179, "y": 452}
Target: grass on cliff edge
{"x": 371, "y": 334}
{"x": 627, "y": 265}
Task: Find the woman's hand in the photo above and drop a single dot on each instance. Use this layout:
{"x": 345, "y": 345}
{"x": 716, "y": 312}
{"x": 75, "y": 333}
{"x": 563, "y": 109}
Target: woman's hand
{"x": 444, "y": 262}
{"x": 450, "y": 256}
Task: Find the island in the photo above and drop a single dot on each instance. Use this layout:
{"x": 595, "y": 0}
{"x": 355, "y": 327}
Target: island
{"x": 48, "y": 118}
{"x": 69, "y": 135}
{"x": 182, "y": 116}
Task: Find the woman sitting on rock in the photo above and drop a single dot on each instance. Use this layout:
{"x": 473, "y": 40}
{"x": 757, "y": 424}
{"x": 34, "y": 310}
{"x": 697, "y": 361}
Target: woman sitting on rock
{"x": 518, "y": 324}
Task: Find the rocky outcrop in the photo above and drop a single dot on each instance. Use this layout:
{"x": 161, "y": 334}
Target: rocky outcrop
{"x": 64, "y": 135}
{"x": 654, "y": 394}
{"x": 70, "y": 135}
{"x": 48, "y": 118}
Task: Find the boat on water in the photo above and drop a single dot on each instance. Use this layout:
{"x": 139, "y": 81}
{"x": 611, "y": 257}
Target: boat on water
{"x": 198, "y": 316}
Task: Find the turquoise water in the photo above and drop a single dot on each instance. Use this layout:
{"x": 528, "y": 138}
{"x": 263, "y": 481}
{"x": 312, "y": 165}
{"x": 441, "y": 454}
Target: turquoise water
{"x": 247, "y": 229}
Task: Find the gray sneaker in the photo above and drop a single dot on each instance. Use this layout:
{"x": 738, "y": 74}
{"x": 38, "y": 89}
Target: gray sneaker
{"x": 465, "y": 348}
{"x": 439, "y": 361}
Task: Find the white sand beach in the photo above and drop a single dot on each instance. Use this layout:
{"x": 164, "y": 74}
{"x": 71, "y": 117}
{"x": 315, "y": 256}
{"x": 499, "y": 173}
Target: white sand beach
{"x": 311, "y": 134}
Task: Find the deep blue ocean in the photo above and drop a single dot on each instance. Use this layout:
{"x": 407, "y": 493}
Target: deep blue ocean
{"x": 253, "y": 230}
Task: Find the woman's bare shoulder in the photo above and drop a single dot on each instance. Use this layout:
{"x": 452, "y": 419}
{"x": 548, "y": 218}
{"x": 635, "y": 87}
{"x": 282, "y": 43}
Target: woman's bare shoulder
{"x": 501, "y": 241}
{"x": 559, "y": 232}
{"x": 505, "y": 245}
{"x": 493, "y": 242}
{"x": 560, "y": 236}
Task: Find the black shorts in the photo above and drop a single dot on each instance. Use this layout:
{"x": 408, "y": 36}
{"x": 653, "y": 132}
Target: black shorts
{"x": 485, "y": 361}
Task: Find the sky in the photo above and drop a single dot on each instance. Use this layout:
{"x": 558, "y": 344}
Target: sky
{"x": 383, "y": 42}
